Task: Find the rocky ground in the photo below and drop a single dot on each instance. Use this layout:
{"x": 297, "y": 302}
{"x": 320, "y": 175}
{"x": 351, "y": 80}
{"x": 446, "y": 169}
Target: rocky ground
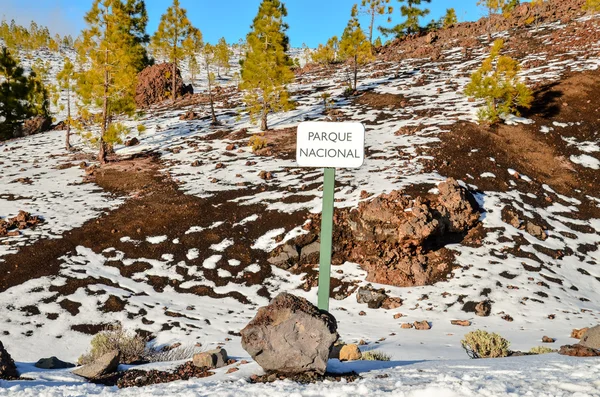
{"x": 191, "y": 231}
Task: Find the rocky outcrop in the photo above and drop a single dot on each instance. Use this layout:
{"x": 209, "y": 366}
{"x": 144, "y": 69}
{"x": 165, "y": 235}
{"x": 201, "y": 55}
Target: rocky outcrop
{"x": 23, "y": 220}
{"x": 290, "y": 336}
{"x": 8, "y": 369}
{"x": 104, "y": 365}
{"x": 35, "y": 125}
{"x": 591, "y": 338}
{"x": 154, "y": 85}
{"x": 395, "y": 238}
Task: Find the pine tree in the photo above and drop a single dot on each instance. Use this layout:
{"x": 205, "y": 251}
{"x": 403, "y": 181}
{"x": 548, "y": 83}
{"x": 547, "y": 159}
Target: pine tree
{"x": 326, "y": 54}
{"x": 449, "y": 19}
{"x": 412, "y": 13}
{"x": 172, "y": 32}
{"x": 222, "y": 56}
{"x": 21, "y": 97}
{"x": 266, "y": 66}
{"x": 373, "y": 8}
{"x": 509, "y": 6}
{"x": 66, "y": 81}
{"x": 497, "y": 82}
{"x": 493, "y": 7}
{"x": 354, "y": 45}
{"x": 592, "y": 6}
{"x": 111, "y": 50}
{"x": 209, "y": 56}
{"x": 192, "y": 46}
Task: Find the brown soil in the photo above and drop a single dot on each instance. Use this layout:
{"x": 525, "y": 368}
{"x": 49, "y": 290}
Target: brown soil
{"x": 156, "y": 207}
{"x": 381, "y": 100}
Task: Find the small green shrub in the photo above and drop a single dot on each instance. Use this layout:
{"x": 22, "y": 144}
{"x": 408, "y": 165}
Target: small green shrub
{"x": 257, "y": 142}
{"x": 141, "y": 128}
{"x": 132, "y": 347}
{"x": 375, "y": 355}
{"x": 541, "y": 350}
{"x": 482, "y": 344}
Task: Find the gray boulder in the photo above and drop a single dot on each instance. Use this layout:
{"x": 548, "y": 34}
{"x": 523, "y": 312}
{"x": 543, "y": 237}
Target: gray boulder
{"x": 372, "y": 297}
{"x": 211, "y": 359}
{"x": 285, "y": 257}
{"x": 591, "y": 338}
{"x": 53, "y": 363}
{"x": 290, "y": 336}
{"x": 8, "y": 369}
{"x": 106, "y": 364}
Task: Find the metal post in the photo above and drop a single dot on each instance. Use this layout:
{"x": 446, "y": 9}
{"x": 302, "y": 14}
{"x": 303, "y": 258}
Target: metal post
{"x": 326, "y": 238}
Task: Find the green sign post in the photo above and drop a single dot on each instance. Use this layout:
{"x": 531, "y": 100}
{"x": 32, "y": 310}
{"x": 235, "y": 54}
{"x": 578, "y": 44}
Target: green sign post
{"x": 329, "y": 146}
{"x": 326, "y": 239}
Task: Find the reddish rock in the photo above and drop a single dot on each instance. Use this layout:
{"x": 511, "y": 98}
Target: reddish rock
{"x": 578, "y": 333}
{"x": 154, "y": 85}
{"x": 546, "y": 339}
{"x": 578, "y": 351}
{"x": 422, "y": 325}
{"x": 397, "y": 316}
{"x": 406, "y": 326}
{"x": 462, "y": 323}
{"x": 231, "y": 370}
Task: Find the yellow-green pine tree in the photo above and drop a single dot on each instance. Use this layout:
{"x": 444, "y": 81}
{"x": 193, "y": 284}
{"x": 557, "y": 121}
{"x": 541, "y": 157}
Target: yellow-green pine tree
{"x": 192, "y": 46}
{"x": 497, "y": 82}
{"x": 266, "y": 66}
{"x": 66, "y": 82}
{"x": 592, "y": 5}
{"x": 412, "y": 13}
{"x": 110, "y": 50}
{"x": 173, "y": 29}
{"x": 222, "y": 56}
{"x": 354, "y": 45}
{"x": 209, "y": 57}
{"x": 373, "y": 8}
{"x": 449, "y": 19}
{"x": 493, "y": 7}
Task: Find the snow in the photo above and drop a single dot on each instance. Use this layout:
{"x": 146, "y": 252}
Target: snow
{"x": 586, "y": 161}
{"x": 544, "y": 375}
{"x": 156, "y": 239}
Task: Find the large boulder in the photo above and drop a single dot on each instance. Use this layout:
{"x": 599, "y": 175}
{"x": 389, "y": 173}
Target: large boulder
{"x": 35, "y": 125}
{"x": 104, "y": 365}
{"x": 154, "y": 85}
{"x": 8, "y": 369}
{"x": 591, "y": 338}
{"x": 290, "y": 336}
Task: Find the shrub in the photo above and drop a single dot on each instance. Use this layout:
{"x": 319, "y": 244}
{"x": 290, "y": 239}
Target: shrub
{"x": 141, "y": 128}
{"x": 482, "y": 344}
{"x": 257, "y": 142}
{"x": 592, "y": 5}
{"x": 178, "y": 354}
{"x": 541, "y": 350}
{"x": 130, "y": 346}
{"x": 375, "y": 355}
{"x": 497, "y": 82}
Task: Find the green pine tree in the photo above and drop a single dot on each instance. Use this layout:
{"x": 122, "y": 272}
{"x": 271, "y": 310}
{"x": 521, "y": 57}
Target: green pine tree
{"x": 266, "y": 66}
{"x": 210, "y": 58}
{"x": 497, "y": 82}
{"x": 494, "y": 7}
{"x": 449, "y": 19}
{"x": 326, "y": 54}
{"x": 173, "y": 30}
{"x": 412, "y": 13}
{"x": 193, "y": 45}
{"x": 354, "y": 45}
{"x": 110, "y": 48}
{"x": 66, "y": 81}
{"x": 222, "y": 56}
{"x": 373, "y": 8}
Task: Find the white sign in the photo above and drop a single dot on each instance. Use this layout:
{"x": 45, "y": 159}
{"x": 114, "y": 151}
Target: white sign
{"x": 336, "y": 145}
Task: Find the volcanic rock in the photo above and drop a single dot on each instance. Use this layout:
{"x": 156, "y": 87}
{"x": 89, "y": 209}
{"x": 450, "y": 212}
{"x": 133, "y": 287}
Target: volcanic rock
{"x": 154, "y": 85}
{"x": 290, "y": 336}
{"x": 591, "y": 338}
{"x": 372, "y": 297}
{"x": 578, "y": 351}
{"x": 578, "y": 333}
{"x": 350, "y": 353}
{"x": 52, "y": 363}
{"x": 8, "y": 369}
{"x": 104, "y": 365}
{"x": 211, "y": 359}
{"x": 35, "y": 125}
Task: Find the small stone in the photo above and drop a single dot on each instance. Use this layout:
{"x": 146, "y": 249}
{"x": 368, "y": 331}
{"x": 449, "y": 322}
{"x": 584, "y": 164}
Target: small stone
{"x": 211, "y": 359}
{"x": 391, "y": 303}
{"x": 350, "y": 353}
{"x": 52, "y": 363}
{"x": 398, "y": 315}
{"x": 219, "y": 165}
{"x": 406, "y": 326}
{"x": 422, "y": 325}
{"x": 231, "y": 370}
{"x": 546, "y": 339}
{"x": 231, "y": 146}
{"x": 362, "y": 313}
{"x": 196, "y": 163}
{"x": 362, "y": 343}
{"x": 462, "y": 323}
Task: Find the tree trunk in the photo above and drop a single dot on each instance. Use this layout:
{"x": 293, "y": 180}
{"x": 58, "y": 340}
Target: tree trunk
{"x": 355, "y": 71}
{"x": 67, "y": 141}
{"x": 263, "y": 121}
{"x": 212, "y": 106}
{"x": 174, "y": 80}
{"x": 104, "y": 126}
{"x": 371, "y": 26}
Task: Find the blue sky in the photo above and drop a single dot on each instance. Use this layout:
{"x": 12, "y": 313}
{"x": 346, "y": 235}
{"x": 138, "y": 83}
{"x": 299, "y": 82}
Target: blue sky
{"x": 311, "y": 21}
